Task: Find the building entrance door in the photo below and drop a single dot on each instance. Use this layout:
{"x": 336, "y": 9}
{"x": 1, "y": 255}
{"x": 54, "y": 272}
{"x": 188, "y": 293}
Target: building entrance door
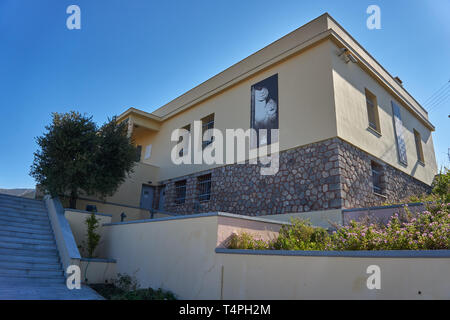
{"x": 147, "y": 197}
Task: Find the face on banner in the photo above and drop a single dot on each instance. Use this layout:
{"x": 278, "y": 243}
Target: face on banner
{"x": 264, "y": 110}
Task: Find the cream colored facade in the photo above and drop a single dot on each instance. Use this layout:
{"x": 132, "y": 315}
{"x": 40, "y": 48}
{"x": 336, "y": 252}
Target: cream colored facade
{"x": 320, "y": 97}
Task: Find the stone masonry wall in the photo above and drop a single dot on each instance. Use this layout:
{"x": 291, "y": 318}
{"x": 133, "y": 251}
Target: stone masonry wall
{"x": 356, "y": 180}
{"x": 331, "y": 174}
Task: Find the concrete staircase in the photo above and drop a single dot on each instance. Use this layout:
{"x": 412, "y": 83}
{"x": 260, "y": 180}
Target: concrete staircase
{"x": 29, "y": 261}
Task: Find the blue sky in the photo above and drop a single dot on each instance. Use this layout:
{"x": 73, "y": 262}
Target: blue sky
{"x": 145, "y": 53}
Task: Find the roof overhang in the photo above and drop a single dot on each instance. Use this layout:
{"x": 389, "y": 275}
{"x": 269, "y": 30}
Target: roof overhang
{"x": 311, "y": 34}
{"x": 141, "y": 118}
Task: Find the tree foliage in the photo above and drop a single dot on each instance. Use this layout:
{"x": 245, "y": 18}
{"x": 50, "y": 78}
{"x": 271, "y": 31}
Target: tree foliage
{"x": 76, "y": 156}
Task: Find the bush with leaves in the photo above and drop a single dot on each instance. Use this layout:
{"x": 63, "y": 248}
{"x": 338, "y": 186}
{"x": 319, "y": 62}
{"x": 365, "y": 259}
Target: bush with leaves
{"x": 246, "y": 241}
{"x": 93, "y": 238}
{"x": 428, "y": 230}
{"x": 301, "y": 235}
{"x": 126, "y": 287}
{"x": 441, "y": 185}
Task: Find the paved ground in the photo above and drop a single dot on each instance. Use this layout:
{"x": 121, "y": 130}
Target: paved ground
{"x": 53, "y": 292}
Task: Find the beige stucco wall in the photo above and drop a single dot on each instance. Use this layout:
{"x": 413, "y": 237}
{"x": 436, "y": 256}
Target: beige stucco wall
{"x": 227, "y": 226}
{"x": 77, "y": 223}
{"x": 179, "y": 255}
{"x": 116, "y": 210}
{"x": 306, "y": 109}
{"x": 95, "y": 271}
{"x": 350, "y": 82}
{"x": 302, "y": 277}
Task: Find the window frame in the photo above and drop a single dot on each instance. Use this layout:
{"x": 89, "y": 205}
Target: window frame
{"x": 206, "y": 126}
{"x": 377, "y": 172}
{"x": 138, "y": 153}
{"x": 372, "y": 111}
{"x": 188, "y": 128}
{"x": 204, "y": 187}
{"x": 180, "y": 186}
{"x": 419, "y": 147}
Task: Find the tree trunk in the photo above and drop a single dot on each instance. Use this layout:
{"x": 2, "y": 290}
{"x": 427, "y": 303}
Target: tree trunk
{"x": 73, "y": 199}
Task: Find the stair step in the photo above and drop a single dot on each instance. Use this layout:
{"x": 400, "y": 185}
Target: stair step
{"x": 31, "y": 272}
{"x": 27, "y": 252}
{"x": 19, "y": 206}
{"x": 28, "y": 246}
{"x": 30, "y": 265}
{"x": 15, "y": 239}
{"x": 26, "y": 235}
{"x": 30, "y": 259}
{"x": 43, "y": 231}
{"x": 25, "y": 280}
{"x": 17, "y": 198}
{"x": 33, "y": 226}
{"x": 26, "y": 213}
{"x": 24, "y": 220}
{"x": 23, "y": 215}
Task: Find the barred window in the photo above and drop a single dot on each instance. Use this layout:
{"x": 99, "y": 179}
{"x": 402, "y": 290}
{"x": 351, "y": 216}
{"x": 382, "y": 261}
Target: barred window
{"x": 180, "y": 192}
{"x": 207, "y": 123}
{"x": 377, "y": 173}
{"x": 204, "y": 187}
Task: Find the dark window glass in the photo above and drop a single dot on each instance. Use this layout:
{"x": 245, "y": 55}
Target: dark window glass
{"x": 377, "y": 173}
{"x": 180, "y": 192}
{"x": 204, "y": 187}
{"x": 207, "y": 123}
{"x": 138, "y": 153}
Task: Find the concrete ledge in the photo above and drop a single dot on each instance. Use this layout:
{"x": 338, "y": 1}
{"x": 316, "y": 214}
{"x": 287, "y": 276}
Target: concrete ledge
{"x": 65, "y": 241}
{"x": 99, "y": 260}
{"x": 89, "y": 212}
{"x": 355, "y": 254}
{"x": 200, "y": 215}
{"x": 384, "y": 207}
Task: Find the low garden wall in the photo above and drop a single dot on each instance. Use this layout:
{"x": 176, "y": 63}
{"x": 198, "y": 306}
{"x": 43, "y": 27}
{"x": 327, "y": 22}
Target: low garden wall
{"x": 77, "y": 218}
{"x": 183, "y": 254}
{"x": 98, "y": 270}
{"x": 334, "y": 275}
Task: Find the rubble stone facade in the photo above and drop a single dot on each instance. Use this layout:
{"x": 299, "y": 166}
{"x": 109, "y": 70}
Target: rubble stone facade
{"x": 331, "y": 174}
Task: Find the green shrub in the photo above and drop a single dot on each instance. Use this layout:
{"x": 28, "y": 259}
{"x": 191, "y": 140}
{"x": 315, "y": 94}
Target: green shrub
{"x": 441, "y": 185}
{"x": 126, "y": 282}
{"x": 301, "y": 235}
{"x": 246, "y": 241}
{"x": 93, "y": 238}
{"x": 428, "y": 230}
{"x": 126, "y": 287}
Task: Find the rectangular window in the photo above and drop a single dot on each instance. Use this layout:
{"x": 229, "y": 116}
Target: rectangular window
{"x": 204, "y": 187}
{"x": 180, "y": 192}
{"x": 419, "y": 149}
{"x": 207, "y": 123}
{"x": 148, "y": 152}
{"x": 186, "y": 143}
{"x": 377, "y": 173}
{"x": 372, "y": 111}
{"x": 138, "y": 153}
